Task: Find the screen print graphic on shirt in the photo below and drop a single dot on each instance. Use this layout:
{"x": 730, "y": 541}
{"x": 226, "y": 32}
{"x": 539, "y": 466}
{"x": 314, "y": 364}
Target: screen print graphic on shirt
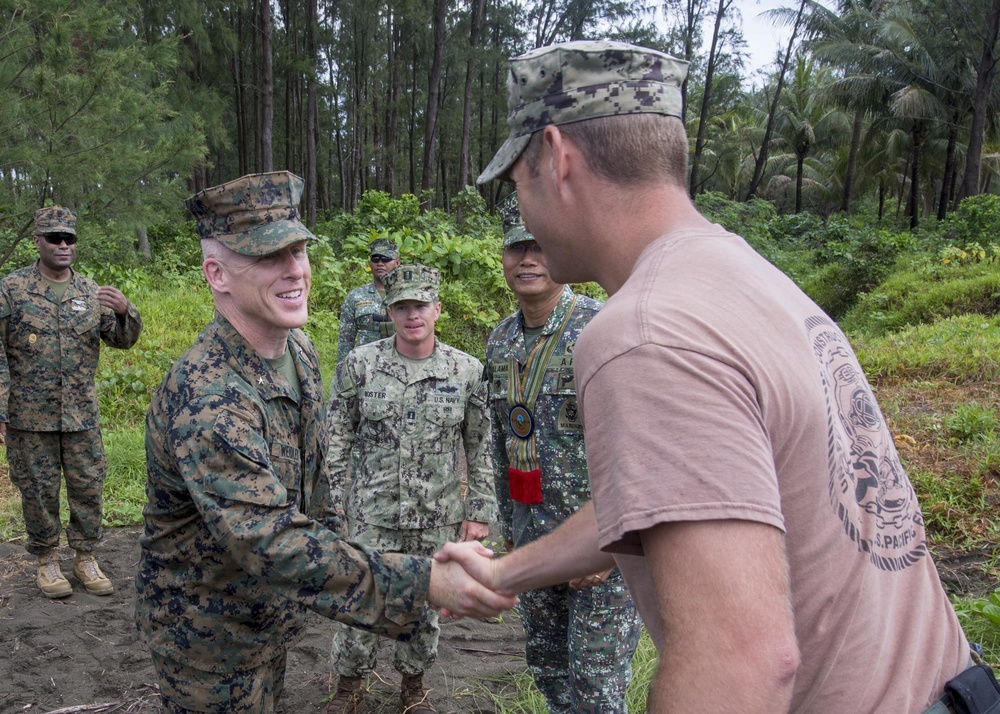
{"x": 869, "y": 489}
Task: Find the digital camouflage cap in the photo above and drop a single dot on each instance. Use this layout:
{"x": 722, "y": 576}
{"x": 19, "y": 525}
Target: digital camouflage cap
{"x": 54, "y": 219}
{"x": 253, "y": 215}
{"x": 411, "y": 282}
{"x": 513, "y": 227}
{"x": 573, "y": 81}
{"x": 384, "y": 247}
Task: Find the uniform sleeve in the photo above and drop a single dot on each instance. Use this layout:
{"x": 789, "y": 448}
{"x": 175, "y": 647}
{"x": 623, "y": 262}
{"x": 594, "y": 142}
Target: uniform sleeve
{"x": 121, "y": 331}
{"x": 348, "y": 329}
{"x": 5, "y": 312}
{"x": 342, "y": 418}
{"x": 480, "y": 502}
{"x": 498, "y": 452}
{"x": 242, "y": 496}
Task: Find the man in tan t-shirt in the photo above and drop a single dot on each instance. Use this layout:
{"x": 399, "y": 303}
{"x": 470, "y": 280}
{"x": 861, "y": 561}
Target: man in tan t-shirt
{"x": 743, "y": 477}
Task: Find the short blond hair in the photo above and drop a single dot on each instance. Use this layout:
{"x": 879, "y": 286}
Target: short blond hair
{"x": 630, "y": 149}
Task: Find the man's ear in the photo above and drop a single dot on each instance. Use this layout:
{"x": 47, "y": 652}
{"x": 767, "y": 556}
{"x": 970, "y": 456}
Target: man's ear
{"x": 215, "y": 275}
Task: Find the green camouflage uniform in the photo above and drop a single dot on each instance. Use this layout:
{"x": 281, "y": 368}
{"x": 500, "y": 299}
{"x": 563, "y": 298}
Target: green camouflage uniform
{"x": 579, "y": 643}
{"x": 408, "y": 421}
{"x": 234, "y": 552}
{"x": 363, "y": 319}
{"x": 240, "y": 537}
{"x": 48, "y": 398}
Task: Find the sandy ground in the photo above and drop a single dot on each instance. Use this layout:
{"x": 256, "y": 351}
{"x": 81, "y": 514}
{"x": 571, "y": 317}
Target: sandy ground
{"x": 81, "y": 652}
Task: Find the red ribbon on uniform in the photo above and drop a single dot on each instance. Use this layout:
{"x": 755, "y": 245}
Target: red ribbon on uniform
{"x": 525, "y": 486}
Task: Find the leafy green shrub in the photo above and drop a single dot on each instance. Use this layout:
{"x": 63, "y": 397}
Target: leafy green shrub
{"x": 850, "y": 261}
{"x": 976, "y": 222}
{"x": 925, "y": 291}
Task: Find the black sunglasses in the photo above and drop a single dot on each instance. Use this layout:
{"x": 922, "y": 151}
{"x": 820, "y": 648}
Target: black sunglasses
{"x": 381, "y": 259}
{"x": 57, "y": 238}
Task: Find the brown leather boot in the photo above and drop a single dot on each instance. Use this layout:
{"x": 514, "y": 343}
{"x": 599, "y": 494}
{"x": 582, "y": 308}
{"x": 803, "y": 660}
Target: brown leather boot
{"x": 413, "y": 697}
{"x": 49, "y": 577}
{"x": 88, "y": 572}
{"x": 349, "y": 699}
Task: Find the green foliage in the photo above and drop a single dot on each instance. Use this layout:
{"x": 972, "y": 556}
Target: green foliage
{"x": 474, "y": 294}
{"x": 957, "y": 349}
{"x": 125, "y": 486}
{"x": 972, "y": 422}
{"x": 86, "y": 123}
{"x": 980, "y": 619}
{"x": 976, "y": 223}
{"x": 924, "y": 291}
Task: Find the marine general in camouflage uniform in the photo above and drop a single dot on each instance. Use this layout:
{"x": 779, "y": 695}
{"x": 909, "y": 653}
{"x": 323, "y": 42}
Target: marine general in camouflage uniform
{"x": 580, "y": 637}
{"x": 363, "y": 317}
{"x": 408, "y": 404}
{"x": 52, "y": 322}
{"x": 240, "y": 536}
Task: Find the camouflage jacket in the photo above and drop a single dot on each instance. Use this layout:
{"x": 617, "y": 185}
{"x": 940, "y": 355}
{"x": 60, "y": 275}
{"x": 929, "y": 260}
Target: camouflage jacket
{"x": 238, "y": 540}
{"x": 363, "y": 319}
{"x": 408, "y": 422}
{"x": 50, "y": 350}
{"x": 558, "y": 430}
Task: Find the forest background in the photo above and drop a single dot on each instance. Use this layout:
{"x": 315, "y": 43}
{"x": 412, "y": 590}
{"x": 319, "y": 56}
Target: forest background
{"x": 861, "y": 162}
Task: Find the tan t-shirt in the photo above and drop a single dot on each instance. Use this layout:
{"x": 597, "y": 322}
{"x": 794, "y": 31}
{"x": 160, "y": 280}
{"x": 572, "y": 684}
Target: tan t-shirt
{"x": 711, "y": 388}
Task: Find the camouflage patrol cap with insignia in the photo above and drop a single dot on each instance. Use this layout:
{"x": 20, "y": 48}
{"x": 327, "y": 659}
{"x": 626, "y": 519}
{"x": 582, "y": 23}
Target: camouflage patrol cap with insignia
{"x": 513, "y": 227}
{"x": 54, "y": 219}
{"x": 383, "y": 247}
{"x": 411, "y": 282}
{"x": 253, "y": 215}
{"x": 573, "y": 81}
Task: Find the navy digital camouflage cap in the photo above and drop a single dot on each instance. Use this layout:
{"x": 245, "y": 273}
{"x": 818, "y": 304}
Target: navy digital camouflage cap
{"x": 54, "y": 219}
{"x": 411, "y": 281}
{"x": 253, "y": 215}
{"x": 513, "y": 227}
{"x": 384, "y": 247}
{"x": 573, "y": 81}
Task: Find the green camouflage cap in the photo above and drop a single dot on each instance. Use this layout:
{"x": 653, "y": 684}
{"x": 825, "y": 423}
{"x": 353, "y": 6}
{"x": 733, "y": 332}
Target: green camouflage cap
{"x": 513, "y": 227}
{"x": 54, "y": 219}
{"x": 253, "y": 215}
{"x": 384, "y": 246}
{"x": 569, "y": 82}
{"x": 411, "y": 282}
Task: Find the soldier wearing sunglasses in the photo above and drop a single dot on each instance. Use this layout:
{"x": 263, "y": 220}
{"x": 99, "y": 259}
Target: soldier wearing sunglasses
{"x": 52, "y": 323}
{"x": 363, "y": 316}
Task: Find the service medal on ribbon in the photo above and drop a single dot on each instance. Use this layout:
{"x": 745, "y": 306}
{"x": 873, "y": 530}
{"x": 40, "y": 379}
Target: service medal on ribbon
{"x": 522, "y": 423}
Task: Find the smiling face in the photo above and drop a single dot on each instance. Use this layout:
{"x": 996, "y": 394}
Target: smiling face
{"x": 263, "y": 296}
{"x": 414, "y": 321}
{"x": 527, "y": 273}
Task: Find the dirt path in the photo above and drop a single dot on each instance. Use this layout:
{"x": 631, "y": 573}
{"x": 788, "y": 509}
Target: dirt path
{"x": 84, "y": 650}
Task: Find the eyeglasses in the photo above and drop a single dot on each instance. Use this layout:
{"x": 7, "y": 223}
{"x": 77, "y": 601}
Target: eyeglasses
{"x": 381, "y": 259}
{"x": 57, "y": 238}
{"x": 520, "y": 248}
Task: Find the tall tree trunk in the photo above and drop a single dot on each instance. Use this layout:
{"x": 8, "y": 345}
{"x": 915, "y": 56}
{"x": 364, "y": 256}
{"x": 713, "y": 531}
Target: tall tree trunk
{"x": 913, "y": 204}
{"x": 266, "y": 89}
{"x": 433, "y": 96}
{"x": 852, "y": 161}
{"x": 985, "y": 75}
{"x": 312, "y": 114}
{"x": 799, "y": 161}
{"x": 948, "y": 179}
{"x": 463, "y": 156}
{"x": 761, "y": 162}
{"x": 706, "y": 99}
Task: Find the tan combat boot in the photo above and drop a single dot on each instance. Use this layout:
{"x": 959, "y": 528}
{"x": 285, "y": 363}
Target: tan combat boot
{"x": 349, "y": 699}
{"x": 88, "y": 572}
{"x": 49, "y": 577}
{"x": 413, "y": 697}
